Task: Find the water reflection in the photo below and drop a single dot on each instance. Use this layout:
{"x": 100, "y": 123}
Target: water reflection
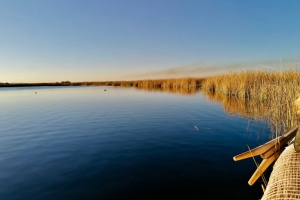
{"x": 280, "y": 117}
{"x": 242, "y": 107}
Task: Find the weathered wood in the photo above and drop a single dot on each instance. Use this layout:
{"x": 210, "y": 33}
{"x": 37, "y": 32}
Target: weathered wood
{"x": 256, "y": 151}
{"x": 262, "y": 167}
{"x": 265, "y": 147}
{"x": 282, "y": 142}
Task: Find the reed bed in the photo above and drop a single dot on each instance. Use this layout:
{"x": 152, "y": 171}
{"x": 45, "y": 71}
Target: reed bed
{"x": 156, "y": 83}
{"x": 264, "y": 94}
{"x": 169, "y": 83}
{"x": 181, "y": 90}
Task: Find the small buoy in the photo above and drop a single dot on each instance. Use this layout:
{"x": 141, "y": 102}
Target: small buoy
{"x": 196, "y": 128}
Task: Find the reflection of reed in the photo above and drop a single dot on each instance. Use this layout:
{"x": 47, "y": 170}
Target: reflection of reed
{"x": 258, "y": 95}
{"x": 242, "y": 107}
{"x": 181, "y": 91}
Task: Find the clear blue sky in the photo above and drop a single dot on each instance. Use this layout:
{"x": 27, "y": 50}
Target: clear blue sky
{"x": 98, "y": 40}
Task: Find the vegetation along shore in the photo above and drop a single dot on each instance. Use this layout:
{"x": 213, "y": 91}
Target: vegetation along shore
{"x": 262, "y": 94}
{"x": 157, "y": 83}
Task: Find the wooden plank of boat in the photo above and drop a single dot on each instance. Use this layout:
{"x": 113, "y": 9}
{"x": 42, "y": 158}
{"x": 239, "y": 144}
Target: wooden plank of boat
{"x": 256, "y": 151}
{"x": 262, "y": 167}
{"x": 265, "y": 147}
{"x": 282, "y": 142}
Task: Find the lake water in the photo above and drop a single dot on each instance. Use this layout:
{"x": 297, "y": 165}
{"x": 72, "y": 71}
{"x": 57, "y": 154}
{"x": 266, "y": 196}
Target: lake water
{"x": 123, "y": 143}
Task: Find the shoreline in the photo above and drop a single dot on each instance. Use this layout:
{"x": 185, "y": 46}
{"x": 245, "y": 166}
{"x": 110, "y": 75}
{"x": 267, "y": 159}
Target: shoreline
{"x": 158, "y": 83}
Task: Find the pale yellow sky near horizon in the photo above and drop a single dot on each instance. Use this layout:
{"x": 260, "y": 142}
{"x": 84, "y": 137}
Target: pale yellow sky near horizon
{"x": 87, "y": 74}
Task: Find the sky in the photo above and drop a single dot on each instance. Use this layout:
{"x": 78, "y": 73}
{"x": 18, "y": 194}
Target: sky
{"x": 101, "y": 40}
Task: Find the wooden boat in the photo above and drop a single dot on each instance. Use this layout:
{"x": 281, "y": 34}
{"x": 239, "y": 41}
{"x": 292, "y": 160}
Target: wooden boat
{"x": 269, "y": 151}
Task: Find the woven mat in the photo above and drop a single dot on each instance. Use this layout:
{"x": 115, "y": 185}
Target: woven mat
{"x": 284, "y": 182}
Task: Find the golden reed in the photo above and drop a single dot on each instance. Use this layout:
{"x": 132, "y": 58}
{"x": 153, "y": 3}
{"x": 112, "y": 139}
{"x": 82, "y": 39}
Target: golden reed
{"x": 259, "y": 94}
{"x": 156, "y": 83}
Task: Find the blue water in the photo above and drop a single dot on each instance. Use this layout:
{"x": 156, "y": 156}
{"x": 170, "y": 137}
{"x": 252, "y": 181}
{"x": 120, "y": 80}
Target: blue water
{"x": 123, "y": 143}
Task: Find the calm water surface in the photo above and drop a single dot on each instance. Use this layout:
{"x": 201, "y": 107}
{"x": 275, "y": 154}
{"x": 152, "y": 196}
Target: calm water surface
{"x": 123, "y": 143}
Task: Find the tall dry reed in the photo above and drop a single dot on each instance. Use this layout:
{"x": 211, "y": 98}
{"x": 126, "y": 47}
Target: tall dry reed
{"x": 169, "y": 83}
{"x": 180, "y": 90}
{"x": 271, "y": 93}
{"x": 155, "y": 83}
